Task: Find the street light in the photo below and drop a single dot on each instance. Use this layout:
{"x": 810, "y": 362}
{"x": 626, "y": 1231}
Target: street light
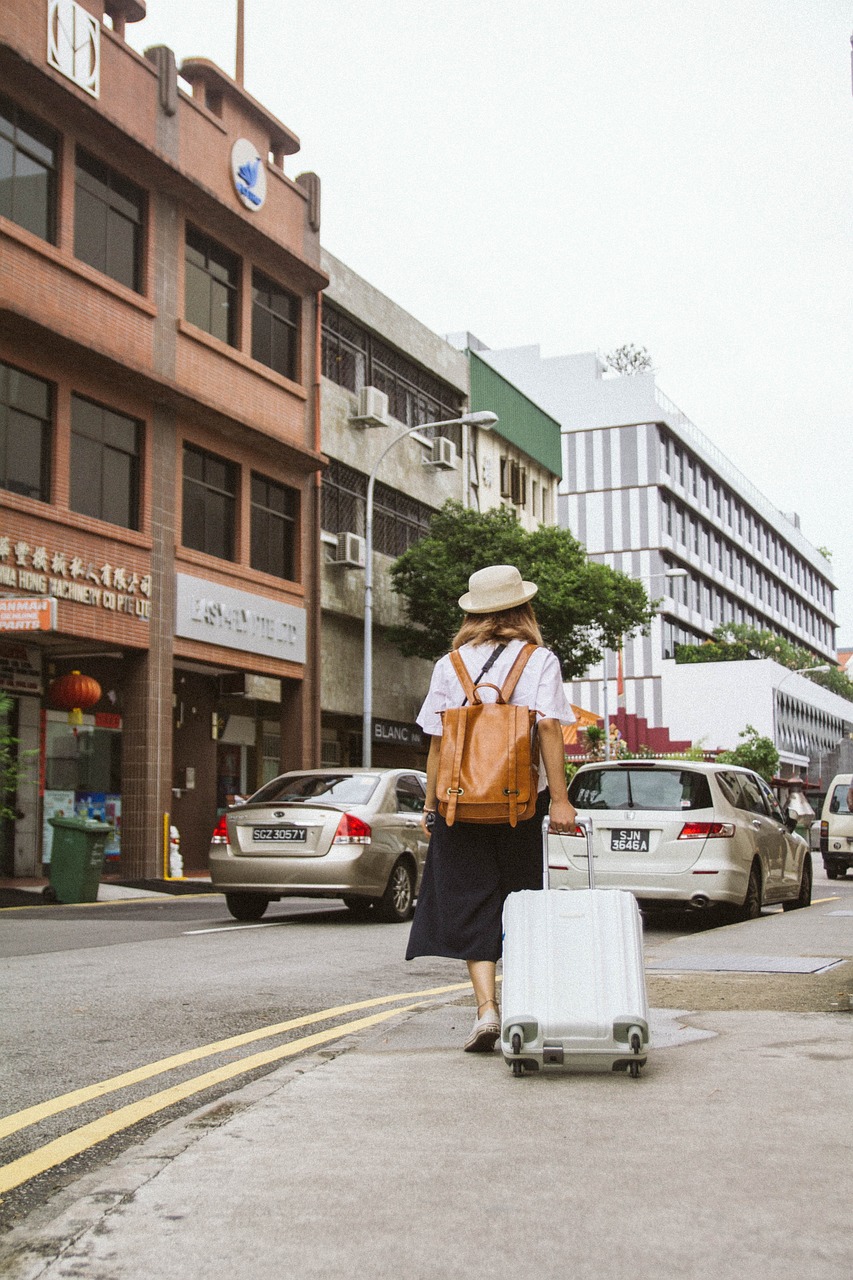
{"x": 605, "y": 691}
{"x": 483, "y": 419}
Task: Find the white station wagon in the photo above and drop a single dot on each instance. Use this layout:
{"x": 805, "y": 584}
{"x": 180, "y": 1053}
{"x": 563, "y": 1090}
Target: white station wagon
{"x": 684, "y": 834}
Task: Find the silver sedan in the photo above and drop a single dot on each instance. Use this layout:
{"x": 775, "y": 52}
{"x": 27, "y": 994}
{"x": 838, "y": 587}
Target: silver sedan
{"x": 325, "y": 833}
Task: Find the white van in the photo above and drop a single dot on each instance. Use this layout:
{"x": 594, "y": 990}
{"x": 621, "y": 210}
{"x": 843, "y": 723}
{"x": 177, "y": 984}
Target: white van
{"x": 836, "y": 827}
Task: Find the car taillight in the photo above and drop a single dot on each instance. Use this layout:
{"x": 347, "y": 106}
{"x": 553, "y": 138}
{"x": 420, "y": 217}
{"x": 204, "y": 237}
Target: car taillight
{"x": 220, "y": 832}
{"x": 702, "y": 830}
{"x": 824, "y": 828}
{"x": 352, "y": 830}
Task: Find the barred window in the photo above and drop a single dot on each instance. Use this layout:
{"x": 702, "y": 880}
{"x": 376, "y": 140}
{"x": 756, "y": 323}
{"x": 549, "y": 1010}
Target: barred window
{"x": 399, "y": 521}
{"x": 355, "y": 358}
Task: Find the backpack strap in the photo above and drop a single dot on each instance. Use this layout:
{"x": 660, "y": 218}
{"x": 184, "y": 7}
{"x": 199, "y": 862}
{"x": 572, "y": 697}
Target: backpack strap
{"x": 462, "y": 672}
{"x": 454, "y": 791}
{"x": 524, "y": 656}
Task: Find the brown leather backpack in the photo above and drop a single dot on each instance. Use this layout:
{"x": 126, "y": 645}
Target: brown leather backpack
{"x": 488, "y": 767}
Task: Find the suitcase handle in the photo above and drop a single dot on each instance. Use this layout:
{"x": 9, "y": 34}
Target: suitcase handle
{"x": 585, "y": 825}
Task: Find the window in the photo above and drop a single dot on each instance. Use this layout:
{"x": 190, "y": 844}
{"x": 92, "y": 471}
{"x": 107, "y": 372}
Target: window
{"x": 25, "y": 418}
{"x": 514, "y": 482}
{"x": 354, "y": 358}
{"x": 104, "y": 464}
{"x": 275, "y": 326}
{"x": 274, "y": 513}
{"x": 27, "y": 171}
{"x": 210, "y": 294}
{"x": 398, "y": 520}
{"x": 640, "y": 788}
{"x": 108, "y": 221}
{"x": 411, "y": 795}
{"x": 210, "y": 503}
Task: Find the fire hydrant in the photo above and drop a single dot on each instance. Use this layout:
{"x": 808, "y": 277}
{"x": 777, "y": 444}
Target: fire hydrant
{"x": 176, "y": 862}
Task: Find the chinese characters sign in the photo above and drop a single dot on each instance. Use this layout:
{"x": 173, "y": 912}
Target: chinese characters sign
{"x": 65, "y": 576}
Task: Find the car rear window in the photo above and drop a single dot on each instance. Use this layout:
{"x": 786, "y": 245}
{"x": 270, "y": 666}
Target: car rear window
{"x": 300, "y": 788}
{"x": 838, "y": 803}
{"x": 620, "y": 788}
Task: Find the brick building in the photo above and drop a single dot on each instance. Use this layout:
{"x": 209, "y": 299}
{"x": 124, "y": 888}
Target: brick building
{"x": 160, "y": 453}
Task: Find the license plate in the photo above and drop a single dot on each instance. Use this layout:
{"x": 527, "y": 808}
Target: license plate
{"x": 625, "y": 841}
{"x": 280, "y": 835}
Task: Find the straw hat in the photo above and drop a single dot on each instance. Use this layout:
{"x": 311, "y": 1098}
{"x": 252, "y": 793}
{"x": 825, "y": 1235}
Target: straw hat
{"x": 498, "y": 587}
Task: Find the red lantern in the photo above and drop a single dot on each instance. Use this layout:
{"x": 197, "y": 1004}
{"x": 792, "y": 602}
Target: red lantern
{"x": 74, "y": 693}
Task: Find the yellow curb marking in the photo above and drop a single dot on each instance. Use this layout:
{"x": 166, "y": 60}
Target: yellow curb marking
{"x": 88, "y": 1135}
{"x": 32, "y": 1115}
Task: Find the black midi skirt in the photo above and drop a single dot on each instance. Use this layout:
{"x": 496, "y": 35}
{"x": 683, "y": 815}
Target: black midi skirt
{"x": 469, "y": 871}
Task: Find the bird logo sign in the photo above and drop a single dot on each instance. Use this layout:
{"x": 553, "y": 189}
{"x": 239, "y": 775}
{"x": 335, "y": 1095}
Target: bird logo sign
{"x": 248, "y": 174}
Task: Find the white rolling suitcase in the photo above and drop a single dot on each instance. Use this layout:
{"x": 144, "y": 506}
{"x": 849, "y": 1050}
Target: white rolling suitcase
{"x": 574, "y": 985}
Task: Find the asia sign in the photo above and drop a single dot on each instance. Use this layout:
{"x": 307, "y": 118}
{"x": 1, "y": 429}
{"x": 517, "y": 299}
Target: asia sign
{"x": 64, "y": 575}
{"x": 216, "y": 614}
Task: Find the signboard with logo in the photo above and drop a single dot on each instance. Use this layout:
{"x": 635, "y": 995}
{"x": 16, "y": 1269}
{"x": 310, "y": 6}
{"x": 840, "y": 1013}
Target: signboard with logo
{"x": 27, "y": 614}
{"x": 396, "y": 734}
{"x": 248, "y": 174}
{"x": 74, "y": 44}
{"x": 215, "y": 614}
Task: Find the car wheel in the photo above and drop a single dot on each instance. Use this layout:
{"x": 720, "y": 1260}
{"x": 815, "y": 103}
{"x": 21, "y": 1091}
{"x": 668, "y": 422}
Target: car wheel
{"x": 804, "y": 897}
{"x": 246, "y": 906}
{"x": 359, "y": 908}
{"x": 397, "y": 903}
{"x": 751, "y": 908}
{"x": 831, "y": 870}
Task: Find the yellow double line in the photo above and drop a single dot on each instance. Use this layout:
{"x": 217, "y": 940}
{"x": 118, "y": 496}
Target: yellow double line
{"x": 88, "y": 1135}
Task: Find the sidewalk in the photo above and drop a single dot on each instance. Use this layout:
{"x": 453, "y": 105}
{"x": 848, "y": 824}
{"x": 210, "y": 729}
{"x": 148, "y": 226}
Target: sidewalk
{"x": 396, "y": 1155}
{"x": 28, "y": 892}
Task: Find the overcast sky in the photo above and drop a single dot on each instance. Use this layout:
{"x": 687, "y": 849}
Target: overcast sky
{"x": 669, "y": 173}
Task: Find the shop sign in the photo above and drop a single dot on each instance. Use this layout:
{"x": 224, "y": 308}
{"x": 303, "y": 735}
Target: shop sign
{"x": 392, "y": 733}
{"x": 248, "y": 174}
{"x": 20, "y": 669}
{"x": 67, "y": 576}
{"x": 27, "y": 614}
{"x": 74, "y": 44}
{"x": 215, "y": 614}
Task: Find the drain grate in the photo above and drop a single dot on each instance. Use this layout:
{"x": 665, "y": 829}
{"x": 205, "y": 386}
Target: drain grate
{"x": 733, "y": 963}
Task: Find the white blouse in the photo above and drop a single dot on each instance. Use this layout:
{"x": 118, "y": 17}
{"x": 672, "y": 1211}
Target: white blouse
{"x": 540, "y": 685}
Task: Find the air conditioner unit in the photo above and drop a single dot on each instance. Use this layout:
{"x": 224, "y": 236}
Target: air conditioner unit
{"x": 350, "y": 551}
{"x": 443, "y": 455}
{"x": 372, "y": 408}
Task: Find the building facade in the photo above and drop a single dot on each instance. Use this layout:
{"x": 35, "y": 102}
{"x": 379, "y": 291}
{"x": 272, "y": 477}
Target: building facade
{"x": 647, "y": 493}
{"x": 160, "y": 451}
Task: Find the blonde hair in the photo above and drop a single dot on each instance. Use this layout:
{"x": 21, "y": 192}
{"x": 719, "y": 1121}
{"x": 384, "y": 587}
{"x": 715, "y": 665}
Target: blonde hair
{"x": 503, "y": 625}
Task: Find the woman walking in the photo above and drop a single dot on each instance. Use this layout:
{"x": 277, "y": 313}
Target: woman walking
{"x": 472, "y": 867}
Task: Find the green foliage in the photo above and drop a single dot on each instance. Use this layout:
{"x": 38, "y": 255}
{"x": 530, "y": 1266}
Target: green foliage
{"x": 736, "y": 642}
{"x": 580, "y": 606}
{"x": 755, "y": 752}
{"x": 826, "y": 553}
{"x": 10, "y": 769}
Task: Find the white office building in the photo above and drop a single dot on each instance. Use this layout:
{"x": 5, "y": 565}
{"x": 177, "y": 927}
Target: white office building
{"x": 648, "y": 493}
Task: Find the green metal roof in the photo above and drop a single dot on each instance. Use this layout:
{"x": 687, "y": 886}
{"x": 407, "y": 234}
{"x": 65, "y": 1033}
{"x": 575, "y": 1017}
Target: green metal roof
{"x": 522, "y": 422}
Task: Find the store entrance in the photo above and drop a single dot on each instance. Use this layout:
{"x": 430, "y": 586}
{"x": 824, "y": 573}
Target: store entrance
{"x": 8, "y": 753}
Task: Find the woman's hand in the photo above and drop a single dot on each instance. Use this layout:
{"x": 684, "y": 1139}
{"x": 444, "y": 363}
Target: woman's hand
{"x": 563, "y": 817}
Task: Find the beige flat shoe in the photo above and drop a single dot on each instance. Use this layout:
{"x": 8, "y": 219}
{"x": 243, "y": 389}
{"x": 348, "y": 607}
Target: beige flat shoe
{"x": 486, "y": 1030}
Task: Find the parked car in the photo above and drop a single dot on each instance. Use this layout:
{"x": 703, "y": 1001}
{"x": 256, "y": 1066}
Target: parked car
{"x": 836, "y": 828}
{"x": 685, "y": 834}
{"x": 325, "y": 833}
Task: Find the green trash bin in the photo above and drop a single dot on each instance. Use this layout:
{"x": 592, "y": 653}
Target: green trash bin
{"x": 77, "y": 859}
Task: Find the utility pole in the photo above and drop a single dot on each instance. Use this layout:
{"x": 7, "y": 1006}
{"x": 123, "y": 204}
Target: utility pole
{"x": 240, "y": 40}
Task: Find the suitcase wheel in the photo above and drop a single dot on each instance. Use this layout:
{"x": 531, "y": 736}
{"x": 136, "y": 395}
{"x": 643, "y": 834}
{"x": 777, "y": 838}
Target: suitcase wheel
{"x": 636, "y": 1046}
{"x": 517, "y": 1066}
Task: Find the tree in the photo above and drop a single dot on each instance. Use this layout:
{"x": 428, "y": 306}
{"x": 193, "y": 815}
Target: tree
{"x": 10, "y": 769}
{"x": 755, "y": 752}
{"x": 581, "y": 605}
{"x": 630, "y": 359}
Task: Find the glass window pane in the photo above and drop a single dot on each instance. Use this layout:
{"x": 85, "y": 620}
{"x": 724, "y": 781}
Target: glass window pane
{"x": 7, "y": 169}
{"x": 118, "y": 497}
{"x": 197, "y": 296}
{"x": 28, "y": 393}
{"x": 31, "y": 203}
{"x": 90, "y": 229}
{"x": 220, "y": 311}
{"x": 86, "y": 476}
{"x": 122, "y": 244}
{"x": 24, "y": 455}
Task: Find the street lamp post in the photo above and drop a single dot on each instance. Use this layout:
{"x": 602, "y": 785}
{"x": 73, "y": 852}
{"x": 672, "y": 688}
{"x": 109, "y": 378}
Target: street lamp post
{"x": 605, "y": 689}
{"x": 485, "y": 420}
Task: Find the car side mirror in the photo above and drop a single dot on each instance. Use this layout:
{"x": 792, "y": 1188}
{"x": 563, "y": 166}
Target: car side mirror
{"x": 791, "y": 820}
